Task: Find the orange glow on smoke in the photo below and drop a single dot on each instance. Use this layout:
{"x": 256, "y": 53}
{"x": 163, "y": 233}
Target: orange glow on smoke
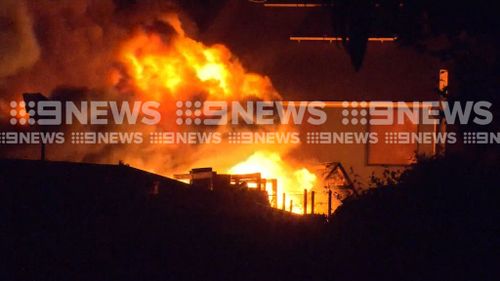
{"x": 291, "y": 181}
{"x": 176, "y": 67}
{"x": 162, "y": 66}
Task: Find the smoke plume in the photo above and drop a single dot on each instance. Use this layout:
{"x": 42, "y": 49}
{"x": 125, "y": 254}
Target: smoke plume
{"x": 18, "y": 46}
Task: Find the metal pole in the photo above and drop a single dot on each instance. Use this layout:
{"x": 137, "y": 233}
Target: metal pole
{"x": 305, "y": 201}
{"x": 291, "y": 206}
{"x": 295, "y": 5}
{"x": 312, "y": 202}
{"x": 329, "y": 202}
{"x": 335, "y": 39}
{"x": 284, "y": 201}
{"x": 274, "y": 183}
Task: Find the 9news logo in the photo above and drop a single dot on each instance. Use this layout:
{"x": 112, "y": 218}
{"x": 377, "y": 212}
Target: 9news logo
{"x": 22, "y": 115}
{"x": 418, "y": 112}
{"x": 215, "y": 113}
{"x": 54, "y": 113}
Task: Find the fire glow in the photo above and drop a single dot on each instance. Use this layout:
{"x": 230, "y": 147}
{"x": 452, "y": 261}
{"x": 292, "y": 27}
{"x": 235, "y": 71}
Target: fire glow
{"x": 290, "y": 181}
{"x": 176, "y": 67}
{"x": 159, "y": 67}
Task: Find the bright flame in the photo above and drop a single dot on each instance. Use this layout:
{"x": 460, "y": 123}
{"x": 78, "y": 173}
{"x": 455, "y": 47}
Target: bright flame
{"x": 179, "y": 64}
{"x": 177, "y": 67}
{"x": 291, "y": 181}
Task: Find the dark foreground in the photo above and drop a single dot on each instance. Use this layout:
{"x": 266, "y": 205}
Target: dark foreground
{"x": 62, "y": 221}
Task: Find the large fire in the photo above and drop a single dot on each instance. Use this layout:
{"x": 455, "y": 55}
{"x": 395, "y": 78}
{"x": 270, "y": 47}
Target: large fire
{"x": 291, "y": 181}
{"x": 168, "y": 67}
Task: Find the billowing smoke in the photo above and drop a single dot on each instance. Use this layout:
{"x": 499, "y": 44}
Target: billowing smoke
{"x": 48, "y": 44}
{"x": 18, "y": 46}
{"x": 66, "y": 50}
{"x": 79, "y": 58}
{"x": 125, "y": 51}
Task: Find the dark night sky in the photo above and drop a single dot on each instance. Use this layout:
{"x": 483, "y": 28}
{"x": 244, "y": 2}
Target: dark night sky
{"x": 315, "y": 70}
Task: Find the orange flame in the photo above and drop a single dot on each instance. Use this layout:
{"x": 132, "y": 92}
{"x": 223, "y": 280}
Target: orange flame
{"x": 291, "y": 181}
{"x": 179, "y": 64}
{"x": 178, "y": 67}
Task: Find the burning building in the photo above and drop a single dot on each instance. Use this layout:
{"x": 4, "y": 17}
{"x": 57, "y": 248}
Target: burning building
{"x": 154, "y": 52}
